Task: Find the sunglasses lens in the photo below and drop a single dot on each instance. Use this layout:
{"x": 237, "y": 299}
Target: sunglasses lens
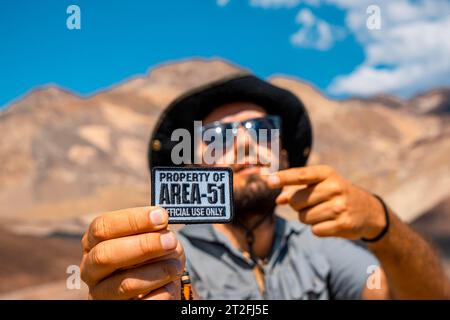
{"x": 224, "y": 130}
{"x": 261, "y": 126}
{"x": 265, "y": 125}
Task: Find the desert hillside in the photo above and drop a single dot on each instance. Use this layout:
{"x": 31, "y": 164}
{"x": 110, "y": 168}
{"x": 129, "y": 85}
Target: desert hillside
{"x": 65, "y": 158}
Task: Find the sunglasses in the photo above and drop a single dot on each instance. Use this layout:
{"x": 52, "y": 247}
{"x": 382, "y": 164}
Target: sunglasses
{"x": 229, "y": 130}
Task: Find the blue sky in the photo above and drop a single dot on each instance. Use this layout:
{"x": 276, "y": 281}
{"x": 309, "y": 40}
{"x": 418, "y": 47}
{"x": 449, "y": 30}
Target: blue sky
{"x": 325, "y": 42}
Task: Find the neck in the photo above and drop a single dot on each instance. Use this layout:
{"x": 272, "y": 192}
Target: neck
{"x": 264, "y": 235}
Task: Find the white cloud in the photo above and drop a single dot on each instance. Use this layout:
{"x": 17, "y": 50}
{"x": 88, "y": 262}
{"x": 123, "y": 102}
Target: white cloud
{"x": 274, "y": 3}
{"x": 410, "y": 53}
{"x": 305, "y": 17}
{"x": 314, "y": 32}
{"x": 222, "y": 3}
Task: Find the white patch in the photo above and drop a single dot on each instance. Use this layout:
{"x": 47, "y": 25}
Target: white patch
{"x": 194, "y": 195}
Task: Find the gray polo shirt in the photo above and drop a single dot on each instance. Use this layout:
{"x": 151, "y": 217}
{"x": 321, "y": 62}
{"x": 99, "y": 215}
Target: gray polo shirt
{"x": 300, "y": 265}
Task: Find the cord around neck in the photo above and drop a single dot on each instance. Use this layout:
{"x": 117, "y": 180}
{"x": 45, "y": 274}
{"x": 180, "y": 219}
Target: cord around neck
{"x": 250, "y": 236}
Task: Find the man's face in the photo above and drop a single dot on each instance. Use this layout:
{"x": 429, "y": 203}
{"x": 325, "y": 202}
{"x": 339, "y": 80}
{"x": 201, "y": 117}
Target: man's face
{"x": 251, "y": 193}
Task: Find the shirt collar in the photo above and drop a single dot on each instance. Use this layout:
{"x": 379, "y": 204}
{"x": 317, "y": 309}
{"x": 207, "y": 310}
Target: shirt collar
{"x": 206, "y": 232}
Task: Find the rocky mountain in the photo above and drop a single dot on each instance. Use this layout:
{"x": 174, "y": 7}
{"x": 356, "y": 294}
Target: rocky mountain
{"x": 436, "y": 101}
{"x": 397, "y": 153}
{"x": 65, "y": 158}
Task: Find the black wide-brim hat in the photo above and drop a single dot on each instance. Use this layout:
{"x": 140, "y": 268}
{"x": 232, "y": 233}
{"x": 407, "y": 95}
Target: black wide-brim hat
{"x": 194, "y": 105}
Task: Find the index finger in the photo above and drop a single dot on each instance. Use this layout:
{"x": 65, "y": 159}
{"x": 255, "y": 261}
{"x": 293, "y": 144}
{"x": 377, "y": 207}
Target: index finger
{"x": 124, "y": 223}
{"x": 299, "y": 176}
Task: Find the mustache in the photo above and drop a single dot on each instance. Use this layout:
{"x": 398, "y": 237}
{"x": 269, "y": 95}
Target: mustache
{"x": 255, "y": 177}
{"x": 255, "y": 197}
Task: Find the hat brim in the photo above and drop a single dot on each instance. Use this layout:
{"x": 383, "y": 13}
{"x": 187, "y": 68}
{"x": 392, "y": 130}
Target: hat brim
{"x": 199, "y": 102}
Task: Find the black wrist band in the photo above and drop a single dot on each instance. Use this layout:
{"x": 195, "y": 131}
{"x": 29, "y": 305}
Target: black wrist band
{"x": 386, "y": 227}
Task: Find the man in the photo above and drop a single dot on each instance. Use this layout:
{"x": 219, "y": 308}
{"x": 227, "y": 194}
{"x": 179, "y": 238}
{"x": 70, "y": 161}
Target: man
{"x": 130, "y": 254}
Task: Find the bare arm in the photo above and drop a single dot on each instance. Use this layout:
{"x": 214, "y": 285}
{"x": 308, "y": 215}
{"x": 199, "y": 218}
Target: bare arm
{"x": 335, "y": 207}
{"x": 411, "y": 267}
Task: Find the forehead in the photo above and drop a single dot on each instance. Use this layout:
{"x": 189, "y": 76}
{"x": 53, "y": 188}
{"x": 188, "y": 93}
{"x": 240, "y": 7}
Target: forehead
{"x": 236, "y": 111}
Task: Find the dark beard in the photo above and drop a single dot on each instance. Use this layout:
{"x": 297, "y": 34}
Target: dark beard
{"x": 254, "y": 199}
